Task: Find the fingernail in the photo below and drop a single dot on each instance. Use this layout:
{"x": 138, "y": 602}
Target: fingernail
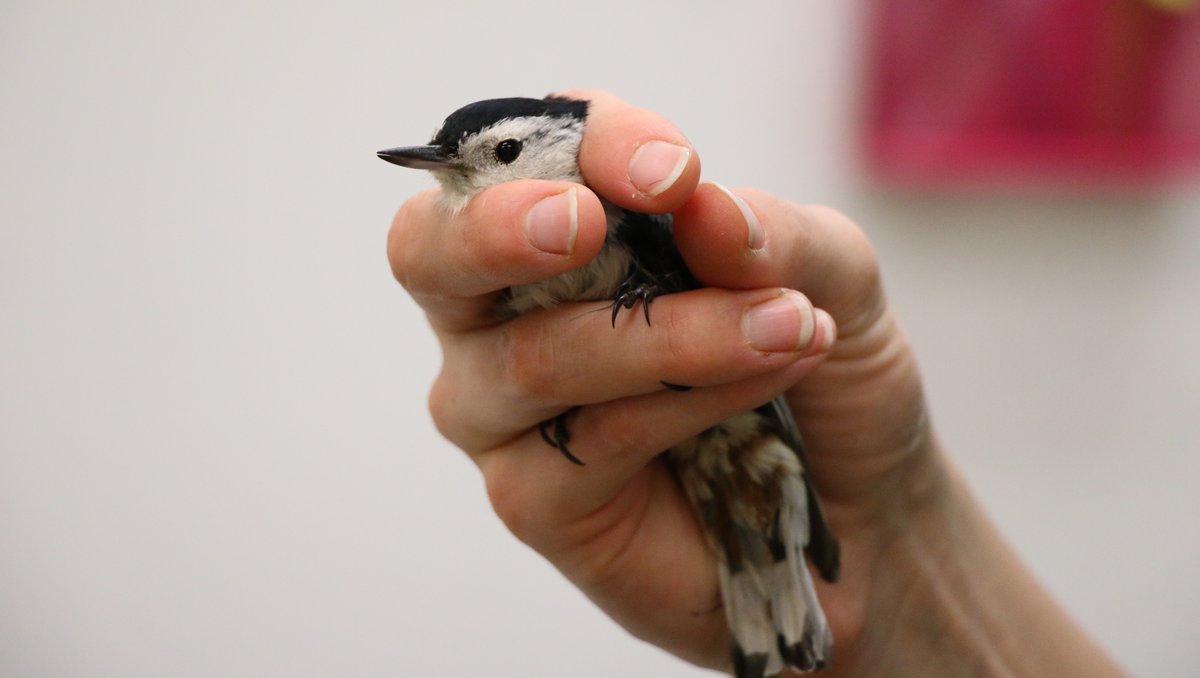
{"x": 657, "y": 165}
{"x": 552, "y": 223}
{"x": 756, "y": 238}
{"x": 785, "y": 323}
{"x": 828, "y": 330}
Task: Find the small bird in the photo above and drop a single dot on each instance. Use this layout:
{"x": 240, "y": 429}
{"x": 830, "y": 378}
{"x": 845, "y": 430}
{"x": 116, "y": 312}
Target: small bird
{"x": 745, "y": 477}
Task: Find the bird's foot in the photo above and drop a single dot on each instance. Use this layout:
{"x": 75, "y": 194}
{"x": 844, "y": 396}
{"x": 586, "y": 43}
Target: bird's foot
{"x": 629, "y": 294}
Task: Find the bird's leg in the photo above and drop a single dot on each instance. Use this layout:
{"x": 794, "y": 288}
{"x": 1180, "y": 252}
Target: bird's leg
{"x": 556, "y": 434}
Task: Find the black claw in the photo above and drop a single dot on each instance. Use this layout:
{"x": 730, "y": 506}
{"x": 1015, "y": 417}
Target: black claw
{"x": 676, "y": 387}
{"x": 570, "y": 457}
{"x": 544, "y": 429}
{"x": 561, "y": 435}
{"x": 628, "y": 295}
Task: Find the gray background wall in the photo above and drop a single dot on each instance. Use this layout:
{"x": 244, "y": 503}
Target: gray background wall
{"x": 214, "y": 454}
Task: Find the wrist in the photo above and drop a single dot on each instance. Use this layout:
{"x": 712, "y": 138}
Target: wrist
{"x": 948, "y": 596}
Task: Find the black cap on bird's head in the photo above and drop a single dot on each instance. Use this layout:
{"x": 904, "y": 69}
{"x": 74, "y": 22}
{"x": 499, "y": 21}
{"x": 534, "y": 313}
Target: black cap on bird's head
{"x": 442, "y": 151}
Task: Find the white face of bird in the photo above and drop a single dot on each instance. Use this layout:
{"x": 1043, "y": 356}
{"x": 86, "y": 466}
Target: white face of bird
{"x": 531, "y": 147}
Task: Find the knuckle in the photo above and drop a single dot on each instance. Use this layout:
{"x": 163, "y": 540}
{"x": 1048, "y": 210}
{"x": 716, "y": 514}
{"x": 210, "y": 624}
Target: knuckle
{"x": 527, "y": 351}
{"x": 511, "y": 498}
{"x": 862, "y": 289}
{"x": 440, "y": 410}
{"x": 678, "y": 351}
{"x": 630, "y": 433}
{"x": 853, "y": 234}
{"x": 400, "y": 243}
{"x": 854, "y": 238}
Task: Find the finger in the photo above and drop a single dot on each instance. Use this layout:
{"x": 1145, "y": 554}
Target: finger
{"x": 536, "y": 492}
{"x": 748, "y": 238}
{"x": 634, "y": 157}
{"x": 542, "y": 363}
{"x": 518, "y": 232}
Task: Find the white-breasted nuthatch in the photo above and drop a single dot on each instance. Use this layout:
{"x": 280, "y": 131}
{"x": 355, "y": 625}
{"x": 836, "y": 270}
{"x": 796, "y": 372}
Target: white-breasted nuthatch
{"x": 745, "y": 477}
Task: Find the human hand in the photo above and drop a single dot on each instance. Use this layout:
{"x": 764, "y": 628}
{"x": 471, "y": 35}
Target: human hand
{"x": 620, "y": 528}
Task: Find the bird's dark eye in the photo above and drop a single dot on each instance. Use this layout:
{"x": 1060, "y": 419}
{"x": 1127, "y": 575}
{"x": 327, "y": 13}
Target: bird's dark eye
{"x": 508, "y": 150}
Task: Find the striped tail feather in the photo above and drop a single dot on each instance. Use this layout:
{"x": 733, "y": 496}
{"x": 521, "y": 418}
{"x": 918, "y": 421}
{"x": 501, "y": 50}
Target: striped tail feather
{"x": 805, "y": 640}
{"x": 757, "y": 510}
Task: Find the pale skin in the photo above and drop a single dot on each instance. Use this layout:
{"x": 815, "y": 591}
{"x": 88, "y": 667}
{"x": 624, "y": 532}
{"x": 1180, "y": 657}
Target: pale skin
{"x": 928, "y": 586}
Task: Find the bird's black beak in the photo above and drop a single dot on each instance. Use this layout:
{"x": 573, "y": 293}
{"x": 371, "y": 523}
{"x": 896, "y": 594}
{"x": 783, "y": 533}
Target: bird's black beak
{"x": 418, "y": 157}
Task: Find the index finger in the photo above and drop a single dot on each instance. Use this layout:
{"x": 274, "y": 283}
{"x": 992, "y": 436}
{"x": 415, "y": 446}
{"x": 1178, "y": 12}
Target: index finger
{"x": 634, "y": 157}
{"x": 455, "y": 263}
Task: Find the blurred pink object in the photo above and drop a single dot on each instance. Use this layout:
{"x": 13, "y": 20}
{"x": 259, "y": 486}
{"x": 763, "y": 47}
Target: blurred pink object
{"x": 986, "y": 90}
